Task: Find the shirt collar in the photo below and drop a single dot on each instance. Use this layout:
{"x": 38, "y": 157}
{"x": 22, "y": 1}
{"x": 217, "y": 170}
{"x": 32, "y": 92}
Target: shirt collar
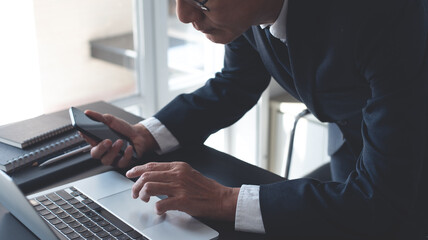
{"x": 278, "y": 28}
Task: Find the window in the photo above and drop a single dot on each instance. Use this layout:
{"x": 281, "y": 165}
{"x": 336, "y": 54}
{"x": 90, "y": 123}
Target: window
{"x": 136, "y": 54}
{"x": 46, "y": 58}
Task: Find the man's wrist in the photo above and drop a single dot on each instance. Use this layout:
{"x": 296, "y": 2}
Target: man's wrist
{"x": 229, "y": 200}
{"x": 150, "y": 143}
{"x": 163, "y": 137}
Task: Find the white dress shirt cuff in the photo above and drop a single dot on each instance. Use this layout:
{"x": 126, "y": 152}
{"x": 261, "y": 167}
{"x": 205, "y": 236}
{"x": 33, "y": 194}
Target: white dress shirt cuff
{"x": 166, "y": 141}
{"x": 248, "y": 215}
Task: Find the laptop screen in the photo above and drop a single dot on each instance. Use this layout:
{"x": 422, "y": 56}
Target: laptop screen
{"x": 14, "y": 201}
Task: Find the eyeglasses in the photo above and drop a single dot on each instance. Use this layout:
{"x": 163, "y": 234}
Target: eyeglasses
{"x": 200, "y": 4}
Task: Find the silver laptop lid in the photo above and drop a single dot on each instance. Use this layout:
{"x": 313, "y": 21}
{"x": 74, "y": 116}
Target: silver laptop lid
{"x": 14, "y": 201}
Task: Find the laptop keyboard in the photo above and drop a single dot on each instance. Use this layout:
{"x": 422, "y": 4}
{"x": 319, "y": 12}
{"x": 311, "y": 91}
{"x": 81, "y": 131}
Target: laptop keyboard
{"x": 78, "y": 217}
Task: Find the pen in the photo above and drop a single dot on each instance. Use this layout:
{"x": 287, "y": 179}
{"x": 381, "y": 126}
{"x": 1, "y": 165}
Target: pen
{"x": 66, "y": 155}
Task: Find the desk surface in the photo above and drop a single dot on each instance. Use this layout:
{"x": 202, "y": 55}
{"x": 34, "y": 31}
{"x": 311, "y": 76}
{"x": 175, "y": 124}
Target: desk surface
{"x": 219, "y": 166}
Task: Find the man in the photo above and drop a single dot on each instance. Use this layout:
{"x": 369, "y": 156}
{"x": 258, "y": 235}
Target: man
{"x": 360, "y": 64}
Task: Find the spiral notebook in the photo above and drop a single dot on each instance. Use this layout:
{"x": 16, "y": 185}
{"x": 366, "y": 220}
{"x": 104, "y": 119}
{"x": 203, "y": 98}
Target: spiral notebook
{"x": 29, "y": 132}
{"x": 15, "y": 158}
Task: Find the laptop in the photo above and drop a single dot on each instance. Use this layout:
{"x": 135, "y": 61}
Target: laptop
{"x": 97, "y": 207}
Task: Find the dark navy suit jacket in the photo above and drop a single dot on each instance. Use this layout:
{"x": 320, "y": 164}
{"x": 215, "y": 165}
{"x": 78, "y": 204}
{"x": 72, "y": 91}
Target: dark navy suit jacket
{"x": 362, "y": 64}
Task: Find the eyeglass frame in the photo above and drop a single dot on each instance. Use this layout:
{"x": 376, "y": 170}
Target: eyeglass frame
{"x": 202, "y": 4}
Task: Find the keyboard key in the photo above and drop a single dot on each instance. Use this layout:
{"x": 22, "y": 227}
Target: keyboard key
{"x": 95, "y": 229}
{"x": 66, "y": 206}
{"x": 52, "y": 206}
{"x": 94, "y": 206}
{"x": 49, "y": 216}
{"x": 77, "y": 215}
{"x": 109, "y": 228}
{"x": 33, "y": 202}
{"x": 79, "y": 205}
{"x": 91, "y": 214}
{"x": 134, "y": 234}
{"x": 122, "y": 237}
{"x": 87, "y": 201}
{"x": 72, "y": 211}
{"x": 60, "y": 225}
{"x": 115, "y": 221}
{"x": 116, "y": 233}
{"x": 74, "y": 224}
{"x": 67, "y": 230}
{"x": 75, "y": 194}
{"x": 60, "y": 202}
{"x": 53, "y": 197}
{"x": 73, "y": 235}
{"x": 73, "y": 201}
{"x": 47, "y": 202}
{"x": 86, "y": 234}
{"x": 83, "y": 220}
{"x": 92, "y": 238}
{"x": 102, "y": 223}
{"x": 41, "y": 198}
{"x": 63, "y": 215}
{"x": 84, "y": 209}
{"x": 96, "y": 218}
{"x": 44, "y": 212}
{"x": 102, "y": 234}
{"x": 64, "y": 194}
{"x": 39, "y": 207}
{"x": 80, "y": 229}
{"x": 109, "y": 238}
{"x": 57, "y": 211}
{"x": 68, "y": 219}
{"x": 89, "y": 224}
{"x": 55, "y": 221}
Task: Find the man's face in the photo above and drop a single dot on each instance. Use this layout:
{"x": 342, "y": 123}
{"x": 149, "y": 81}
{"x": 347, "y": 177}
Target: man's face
{"x": 225, "y": 20}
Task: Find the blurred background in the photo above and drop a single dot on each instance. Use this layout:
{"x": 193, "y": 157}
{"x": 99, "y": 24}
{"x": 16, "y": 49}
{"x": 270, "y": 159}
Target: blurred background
{"x": 138, "y": 56}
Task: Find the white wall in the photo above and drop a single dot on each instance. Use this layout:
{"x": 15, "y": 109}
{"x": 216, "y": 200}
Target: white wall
{"x": 68, "y": 73}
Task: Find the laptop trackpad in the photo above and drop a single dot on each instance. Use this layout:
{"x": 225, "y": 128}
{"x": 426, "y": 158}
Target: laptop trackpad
{"x": 142, "y": 216}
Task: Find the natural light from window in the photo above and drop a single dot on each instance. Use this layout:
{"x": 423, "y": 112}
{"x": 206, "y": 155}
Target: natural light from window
{"x": 20, "y": 91}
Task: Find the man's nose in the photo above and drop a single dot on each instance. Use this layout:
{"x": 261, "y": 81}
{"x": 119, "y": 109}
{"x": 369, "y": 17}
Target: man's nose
{"x": 187, "y": 13}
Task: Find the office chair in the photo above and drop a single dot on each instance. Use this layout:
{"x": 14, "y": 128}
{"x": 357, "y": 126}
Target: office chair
{"x": 322, "y": 173}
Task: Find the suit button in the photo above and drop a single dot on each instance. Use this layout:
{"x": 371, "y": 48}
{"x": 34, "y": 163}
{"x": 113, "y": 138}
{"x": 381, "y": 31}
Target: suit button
{"x": 343, "y": 122}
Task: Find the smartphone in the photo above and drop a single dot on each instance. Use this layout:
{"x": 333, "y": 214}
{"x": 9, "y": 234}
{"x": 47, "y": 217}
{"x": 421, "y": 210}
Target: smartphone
{"x": 98, "y": 131}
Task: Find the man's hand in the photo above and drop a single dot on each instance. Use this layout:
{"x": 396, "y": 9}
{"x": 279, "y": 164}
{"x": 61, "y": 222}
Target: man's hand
{"x": 187, "y": 190}
{"x": 107, "y": 151}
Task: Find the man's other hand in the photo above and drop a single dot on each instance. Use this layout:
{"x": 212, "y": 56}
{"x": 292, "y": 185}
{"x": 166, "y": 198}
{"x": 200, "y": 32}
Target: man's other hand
{"x": 187, "y": 190}
{"x": 107, "y": 151}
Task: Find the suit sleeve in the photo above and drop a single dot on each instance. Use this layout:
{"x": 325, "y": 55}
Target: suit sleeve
{"x": 387, "y": 193}
{"x": 222, "y": 101}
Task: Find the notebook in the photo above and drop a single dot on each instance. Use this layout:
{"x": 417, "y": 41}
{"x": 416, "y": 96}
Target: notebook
{"x": 15, "y": 158}
{"x": 52, "y": 141}
{"x": 98, "y": 207}
{"x": 29, "y": 132}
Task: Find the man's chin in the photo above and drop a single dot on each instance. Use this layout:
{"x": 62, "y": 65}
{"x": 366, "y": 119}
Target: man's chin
{"x": 220, "y": 39}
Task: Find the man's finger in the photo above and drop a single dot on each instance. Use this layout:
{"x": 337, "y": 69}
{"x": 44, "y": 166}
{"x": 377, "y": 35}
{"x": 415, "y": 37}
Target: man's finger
{"x": 126, "y": 158}
{"x": 148, "y": 167}
{"x": 155, "y": 189}
{"x": 119, "y": 125}
{"x": 100, "y": 149}
{"x": 156, "y": 176}
{"x": 95, "y": 115}
{"x": 113, "y": 122}
{"x": 110, "y": 156}
{"x": 170, "y": 203}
